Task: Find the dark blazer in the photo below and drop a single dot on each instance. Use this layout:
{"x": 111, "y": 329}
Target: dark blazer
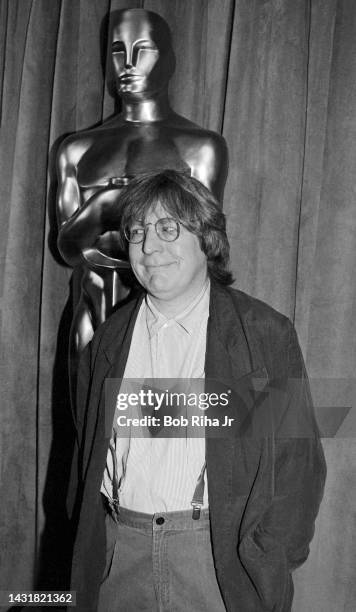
{"x": 265, "y": 481}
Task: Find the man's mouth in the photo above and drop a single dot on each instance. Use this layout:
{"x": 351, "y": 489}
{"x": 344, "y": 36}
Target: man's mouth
{"x": 161, "y": 265}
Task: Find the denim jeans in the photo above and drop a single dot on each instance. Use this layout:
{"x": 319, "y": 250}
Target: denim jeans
{"x": 159, "y": 563}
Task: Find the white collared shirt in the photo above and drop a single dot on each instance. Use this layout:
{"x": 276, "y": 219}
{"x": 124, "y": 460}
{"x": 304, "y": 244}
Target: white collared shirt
{"x": 160, "y": 474}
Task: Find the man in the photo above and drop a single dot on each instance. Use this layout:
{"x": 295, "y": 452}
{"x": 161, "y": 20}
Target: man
{"x": 151, "y": 502}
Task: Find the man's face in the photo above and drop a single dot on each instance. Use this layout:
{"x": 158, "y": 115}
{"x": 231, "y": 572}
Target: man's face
{"x": 142, "y": 64}
{"x": 171, "y": 272}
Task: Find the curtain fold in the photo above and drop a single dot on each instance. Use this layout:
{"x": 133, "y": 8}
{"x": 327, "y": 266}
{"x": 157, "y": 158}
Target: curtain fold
{"x": 25, "y": 151}
{"x": 278, "y": 80}
{"x": 264, "y": 126}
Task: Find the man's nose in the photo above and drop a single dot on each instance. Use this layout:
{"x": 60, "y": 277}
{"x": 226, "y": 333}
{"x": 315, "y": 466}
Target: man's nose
{"x": 151, "y": 242}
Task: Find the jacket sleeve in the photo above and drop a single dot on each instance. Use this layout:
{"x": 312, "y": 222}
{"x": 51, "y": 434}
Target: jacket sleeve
{"x": 299, "y": 464}
{"x": 279, "y": 543}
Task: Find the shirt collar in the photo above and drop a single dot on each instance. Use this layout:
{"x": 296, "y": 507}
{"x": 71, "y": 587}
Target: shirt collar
{"x": 187, "y": 320}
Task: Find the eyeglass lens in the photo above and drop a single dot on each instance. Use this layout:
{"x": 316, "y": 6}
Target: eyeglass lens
{"x": 167, "y": 229}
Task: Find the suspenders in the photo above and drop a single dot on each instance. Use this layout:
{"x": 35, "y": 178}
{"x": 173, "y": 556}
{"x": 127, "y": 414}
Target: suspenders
{"x": 114, "y": 503}
{"x": 198, "y": 496}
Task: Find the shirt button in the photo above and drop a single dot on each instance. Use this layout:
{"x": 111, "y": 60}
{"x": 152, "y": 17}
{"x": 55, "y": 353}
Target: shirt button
{"x": 160, "y": 520}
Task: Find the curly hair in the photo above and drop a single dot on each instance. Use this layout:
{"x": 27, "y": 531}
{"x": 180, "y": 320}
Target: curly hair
{"x": 191, "y": 203}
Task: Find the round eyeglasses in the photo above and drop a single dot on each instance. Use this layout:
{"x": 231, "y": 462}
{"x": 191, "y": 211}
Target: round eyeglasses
{"x": 167, "y": 229}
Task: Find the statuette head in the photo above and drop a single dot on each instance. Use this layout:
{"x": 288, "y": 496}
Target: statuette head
{"x": 142, "y": 53}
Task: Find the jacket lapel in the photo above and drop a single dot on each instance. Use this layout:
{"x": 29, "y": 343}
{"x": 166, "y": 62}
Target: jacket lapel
{"x": 115, "y": 349}
{"x": 117, "y": 346}
{"x": 228, "y": 353}
{"x": 229, "y": 357}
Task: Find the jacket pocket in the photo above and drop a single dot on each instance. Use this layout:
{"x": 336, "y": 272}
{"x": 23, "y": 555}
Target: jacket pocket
{"x": 111, "y": 540}
{"x": 266, "y": 564}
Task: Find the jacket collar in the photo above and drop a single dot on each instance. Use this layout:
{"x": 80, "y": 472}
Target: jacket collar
{"x": 229, "y": 349}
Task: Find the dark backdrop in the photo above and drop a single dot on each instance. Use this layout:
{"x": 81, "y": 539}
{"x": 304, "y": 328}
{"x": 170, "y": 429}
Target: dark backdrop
{"x": 278, "y": 79}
